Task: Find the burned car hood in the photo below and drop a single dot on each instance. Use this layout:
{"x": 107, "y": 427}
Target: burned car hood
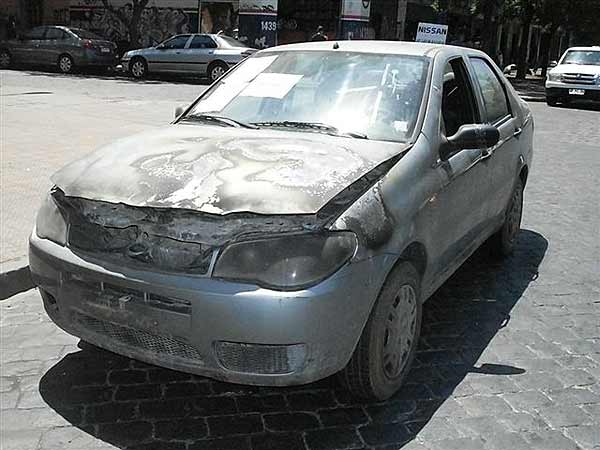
{"x": 224, "y": 170}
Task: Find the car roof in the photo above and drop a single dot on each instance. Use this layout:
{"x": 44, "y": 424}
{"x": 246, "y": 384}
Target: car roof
{"x": 384, "y": 47}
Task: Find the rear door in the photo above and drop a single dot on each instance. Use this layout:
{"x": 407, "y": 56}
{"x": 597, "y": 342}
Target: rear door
{"x": 503, "y": 158}
{"x": 199, "y": 54}
{"x": 168, "y": 56}
{"x": 52, "y": 45}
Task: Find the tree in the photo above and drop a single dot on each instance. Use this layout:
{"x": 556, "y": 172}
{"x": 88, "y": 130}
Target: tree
{"x": 130, "y": 16}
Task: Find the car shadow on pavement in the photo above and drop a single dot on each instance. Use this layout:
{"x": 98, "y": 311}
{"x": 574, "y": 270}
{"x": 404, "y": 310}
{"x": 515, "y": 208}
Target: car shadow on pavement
{"x": 120, "y": 77}
{"x": 138, "y": 406}
{"x": 584, "y": 105}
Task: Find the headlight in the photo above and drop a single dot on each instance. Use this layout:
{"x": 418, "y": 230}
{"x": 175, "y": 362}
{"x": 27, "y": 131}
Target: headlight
{"x": 554, "y": 76}
{"x": 289, "y": 262}
{"x": 50, "y": 223}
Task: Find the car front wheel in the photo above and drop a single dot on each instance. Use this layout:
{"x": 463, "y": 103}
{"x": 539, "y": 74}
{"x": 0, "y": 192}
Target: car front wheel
{"x": 387, "y": 346}
{"x": 5, "y": 59}
{"x": 138, "y": 68}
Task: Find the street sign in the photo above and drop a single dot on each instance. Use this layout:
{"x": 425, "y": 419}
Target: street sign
{"x": 432, "y": 33}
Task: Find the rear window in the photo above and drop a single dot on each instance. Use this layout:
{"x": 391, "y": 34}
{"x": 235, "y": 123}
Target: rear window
{"x": 84, "y": 34}
{"x": 231, "y": 42}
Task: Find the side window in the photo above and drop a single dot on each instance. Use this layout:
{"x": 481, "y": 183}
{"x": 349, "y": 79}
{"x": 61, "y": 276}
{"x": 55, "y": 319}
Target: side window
{"x": 201, "y": 41}
{"x": 178, "y": 42}
{"x": 458, "y": 102}
{"x": 35, "y": 34}
{"x": 55, "y": 34}
{"x": 492, "y": 90}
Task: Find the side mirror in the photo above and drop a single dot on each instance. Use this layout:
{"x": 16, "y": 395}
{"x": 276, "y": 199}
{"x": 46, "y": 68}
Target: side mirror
{"x": 552, "y": 64}
{"x": 179, "y": 111}
{"x": 470, "y": 136}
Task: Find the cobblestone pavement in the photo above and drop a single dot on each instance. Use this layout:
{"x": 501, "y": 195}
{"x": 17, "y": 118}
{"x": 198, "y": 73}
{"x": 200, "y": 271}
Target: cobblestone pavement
{"x": 509, "y": 358}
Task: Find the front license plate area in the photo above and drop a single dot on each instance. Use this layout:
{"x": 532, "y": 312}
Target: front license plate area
{"x": 105, "y": 50}
{"x": 576, "y": 92}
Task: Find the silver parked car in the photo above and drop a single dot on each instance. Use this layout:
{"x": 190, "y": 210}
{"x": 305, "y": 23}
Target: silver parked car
{"x": 291, "y": 222}
{"x": 208, "y": 55}
{"x": 63, "y": 47}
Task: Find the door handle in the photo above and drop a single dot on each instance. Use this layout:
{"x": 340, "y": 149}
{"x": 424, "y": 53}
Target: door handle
{"x": 518, "y": 132}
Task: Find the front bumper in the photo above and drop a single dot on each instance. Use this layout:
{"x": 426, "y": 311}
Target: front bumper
{"x": 181, "y": 322}
{"x": 560, "y": 90}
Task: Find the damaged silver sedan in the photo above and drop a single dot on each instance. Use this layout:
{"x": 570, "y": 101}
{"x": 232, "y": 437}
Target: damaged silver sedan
{"x": 291, "y": 222}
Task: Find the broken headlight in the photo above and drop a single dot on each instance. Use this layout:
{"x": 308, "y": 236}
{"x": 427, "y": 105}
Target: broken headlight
{"x": 289, "y": 262}
{"x": 50, "y": 223}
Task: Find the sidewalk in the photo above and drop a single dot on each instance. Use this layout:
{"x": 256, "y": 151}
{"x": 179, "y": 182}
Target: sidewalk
{"x": 531, "y": 89}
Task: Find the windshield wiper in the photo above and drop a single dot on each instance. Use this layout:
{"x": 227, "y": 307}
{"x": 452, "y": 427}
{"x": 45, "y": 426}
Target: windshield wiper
{"x": 220, "y": 119}
{"x": 316, "y": 126}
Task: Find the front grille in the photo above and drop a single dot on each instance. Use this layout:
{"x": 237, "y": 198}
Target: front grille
{"x": 578, "y": 78}
{"x": 139, "y": 339}
{"x": 261, "y": 359}
{"x": 112, "y": 295}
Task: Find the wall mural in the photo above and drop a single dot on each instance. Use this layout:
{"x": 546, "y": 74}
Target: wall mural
{"x": 157, "y": 22}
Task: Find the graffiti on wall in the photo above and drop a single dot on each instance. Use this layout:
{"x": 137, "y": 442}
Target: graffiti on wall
{"x": 157, "y": 23}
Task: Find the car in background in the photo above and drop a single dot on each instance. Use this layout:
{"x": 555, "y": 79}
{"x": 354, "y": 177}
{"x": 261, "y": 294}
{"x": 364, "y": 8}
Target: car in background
{"x": 63, "y": 47}
{"x": 290, "y": 223}
{"x": 575, "y": 77}
{"x": 207, "y": 55}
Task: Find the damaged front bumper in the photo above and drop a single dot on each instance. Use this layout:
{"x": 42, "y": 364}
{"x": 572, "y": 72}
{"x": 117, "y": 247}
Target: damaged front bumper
{"x": 229, "y": 331}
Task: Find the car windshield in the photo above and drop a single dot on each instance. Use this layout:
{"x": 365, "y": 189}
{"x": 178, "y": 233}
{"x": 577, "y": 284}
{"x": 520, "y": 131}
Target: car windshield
{"x": 231, "y": 42}
{"x": 584, "y": 57}
{"x": 373, "y": 95}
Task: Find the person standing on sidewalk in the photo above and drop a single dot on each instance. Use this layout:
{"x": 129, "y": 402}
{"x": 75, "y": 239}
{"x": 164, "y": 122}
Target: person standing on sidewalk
{"x": 319, "y": 35}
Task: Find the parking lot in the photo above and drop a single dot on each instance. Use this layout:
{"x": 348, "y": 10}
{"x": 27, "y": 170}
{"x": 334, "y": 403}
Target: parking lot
{"x": 510, "y": 352}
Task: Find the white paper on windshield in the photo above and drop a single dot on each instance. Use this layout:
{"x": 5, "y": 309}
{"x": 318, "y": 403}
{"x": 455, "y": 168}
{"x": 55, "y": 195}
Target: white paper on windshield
{"x": 219, "y": 99}
{"x": 233, "y": 84}
{"x": 249, "y": 69}
{"x": 271, "y": 85}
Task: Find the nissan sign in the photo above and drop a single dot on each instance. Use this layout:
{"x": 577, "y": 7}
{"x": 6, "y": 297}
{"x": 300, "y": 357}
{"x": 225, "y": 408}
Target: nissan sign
{"x": 432, "y": 33}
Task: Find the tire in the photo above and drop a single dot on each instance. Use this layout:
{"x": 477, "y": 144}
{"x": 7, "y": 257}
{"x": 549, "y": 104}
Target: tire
{"x": 138, "y": 67}
{"x": 551, "y": 101}
{"x": 65, "y": 64}
{"x": 5, "y": 59}
{"x": 502, "y": 243}
{"x": 216, "y": 70}
{"x": 380, "y": 361}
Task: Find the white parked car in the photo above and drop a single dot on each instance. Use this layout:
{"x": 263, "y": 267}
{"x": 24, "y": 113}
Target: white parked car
{"x": 576, "y": 76}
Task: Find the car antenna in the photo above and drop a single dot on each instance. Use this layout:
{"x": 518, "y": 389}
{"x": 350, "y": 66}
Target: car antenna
{"x": 336, "y": 45}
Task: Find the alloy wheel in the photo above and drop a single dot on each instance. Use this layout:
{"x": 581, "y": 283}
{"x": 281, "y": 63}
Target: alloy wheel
{"x": 400, "y": 331}
{"x": 4, "y": 59}
{"x": 217, "y": 72}
{"x": 138, "y": 69}
{"x": 65, "y": 64}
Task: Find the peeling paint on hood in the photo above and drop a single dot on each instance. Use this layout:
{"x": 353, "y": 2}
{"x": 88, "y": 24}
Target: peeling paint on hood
{"x": 224, "y": 170}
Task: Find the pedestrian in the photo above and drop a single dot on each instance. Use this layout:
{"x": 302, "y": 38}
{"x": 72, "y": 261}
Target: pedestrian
{"x": 319, "y": 35}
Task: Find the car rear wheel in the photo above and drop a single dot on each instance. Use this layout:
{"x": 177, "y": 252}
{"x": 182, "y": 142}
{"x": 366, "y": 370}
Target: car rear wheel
{"x": 217, "y": 70}
{"x": 65, "y": 64}
{"x": 502, "y": 243}
{"x": 387, "y": 346}
{"x": 5, "y": 59}
{"x": 138, "y": 68}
